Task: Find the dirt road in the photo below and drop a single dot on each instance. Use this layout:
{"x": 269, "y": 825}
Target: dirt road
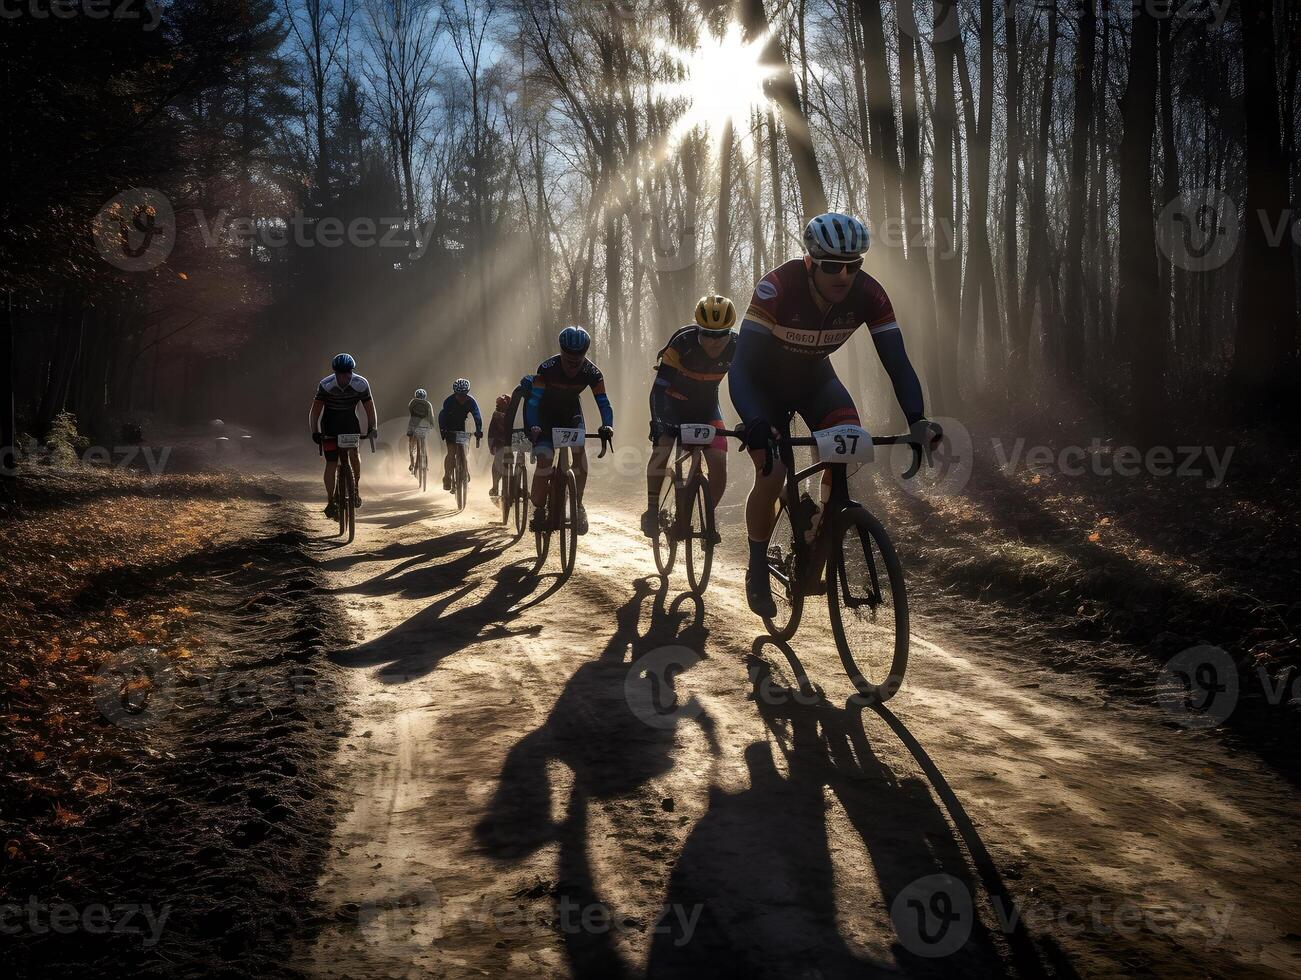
{"x": 602, "y": 777}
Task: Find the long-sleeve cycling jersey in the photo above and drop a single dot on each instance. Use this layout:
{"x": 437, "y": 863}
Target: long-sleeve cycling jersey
{"x": 687, "y": 377}
{"x": 517, "y": 397}
{"x": 454, "y": 412}
{"x": 787, "y": 331}
{"x": 555, "y": 393}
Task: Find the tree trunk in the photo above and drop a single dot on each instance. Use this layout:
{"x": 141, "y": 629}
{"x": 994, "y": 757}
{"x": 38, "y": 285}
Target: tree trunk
{"x": 948, "y": 263}
{"x": 723, "y": 226}
{"x": 1140, "y": 309}
{"x": 1071, "y": 343}
{"x": 1266, "y": 336}
{"x": 1012, "y": 266}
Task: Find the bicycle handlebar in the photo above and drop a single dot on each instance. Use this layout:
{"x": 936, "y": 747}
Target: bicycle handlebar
{"x": 320, "y": 448}
{"x": 920, "y": 451}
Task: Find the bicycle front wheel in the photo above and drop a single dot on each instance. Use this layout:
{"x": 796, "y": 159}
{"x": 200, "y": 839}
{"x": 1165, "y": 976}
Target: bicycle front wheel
{"x": 462, "y": 478}
{"x": 666, "y": 545}
{"x": 567, "y": 522}
{"x": 348, "y": 508}
{"x": 520, "y": 500}
{"x": 699, "y": 550}
{"x": 784, "y": 574}
{"x": 868, "y": 604}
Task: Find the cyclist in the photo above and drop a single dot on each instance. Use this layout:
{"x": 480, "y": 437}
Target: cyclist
{"x": 553, "y": 401}
{"x": 498, "y": 442}
{"x": 690, "y": 367}
{"x": 451, "y": 419}
{"x": 517, "y": 397}
{"x": 334, "y": 411}
{"x": 800, "y": 313}
{"x": 420, "y": 412}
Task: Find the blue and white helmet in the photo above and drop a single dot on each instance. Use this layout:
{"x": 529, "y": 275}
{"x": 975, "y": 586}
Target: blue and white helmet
{"x": 421, "y": 393}
{"x": 575, "y": 340}
{"x": 835, "y": 236}
{"x": 343, "y": 362}
{"x": 460, "y": 387}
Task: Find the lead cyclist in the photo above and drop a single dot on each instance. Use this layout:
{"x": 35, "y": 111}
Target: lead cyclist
{"x": 801, "y": 313}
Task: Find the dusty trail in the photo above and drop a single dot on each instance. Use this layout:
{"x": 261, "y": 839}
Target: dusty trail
{"x": 518, "y": 805}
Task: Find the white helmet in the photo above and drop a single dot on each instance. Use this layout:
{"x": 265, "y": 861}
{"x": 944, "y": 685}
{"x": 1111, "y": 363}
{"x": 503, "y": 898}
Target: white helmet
{"x": 835, "y": 236}
{"x": 461, "y": 387}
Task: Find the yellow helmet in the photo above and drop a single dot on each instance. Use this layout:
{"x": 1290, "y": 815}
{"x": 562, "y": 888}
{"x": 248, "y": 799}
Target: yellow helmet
{"x": 715, "y": 314}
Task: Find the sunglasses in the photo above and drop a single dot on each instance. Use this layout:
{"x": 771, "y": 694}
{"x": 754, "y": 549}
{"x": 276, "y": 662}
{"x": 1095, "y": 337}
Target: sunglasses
{"x": 833, "y": 268}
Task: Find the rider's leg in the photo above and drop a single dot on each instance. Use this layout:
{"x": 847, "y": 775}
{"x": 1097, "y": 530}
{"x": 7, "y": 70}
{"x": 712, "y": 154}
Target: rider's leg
{"x": 330, "y": 466}
{"x": 716, "y": 466}
{"x": 580, "y": 471}
{"x": 761, "y": 505}
{"x": 411, "y": 447}
{"x": 657, "y": 469}
{"x": 354, "y": 459}
{"x": 541, "y": 476}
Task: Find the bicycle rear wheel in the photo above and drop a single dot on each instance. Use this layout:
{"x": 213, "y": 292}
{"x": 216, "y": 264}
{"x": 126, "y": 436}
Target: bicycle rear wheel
{"x": 567, "y": 522}
{"x": 666, "y": 545}
{"x": 507, "y": 487}
{"x": 699, "y": 548}
{"x": 783, "y": 573}
{"x": 868, "y": 604}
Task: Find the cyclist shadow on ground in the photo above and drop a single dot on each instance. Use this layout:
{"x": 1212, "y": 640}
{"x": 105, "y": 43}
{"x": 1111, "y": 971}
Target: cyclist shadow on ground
{"x": 928, "y": 893}
{"x": 417, "y": 646}
{"x": 611, "y": 738}
{"x": 419, "y": 572}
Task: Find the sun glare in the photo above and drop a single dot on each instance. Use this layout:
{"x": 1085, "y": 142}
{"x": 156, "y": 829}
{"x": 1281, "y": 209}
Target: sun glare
{"x": 722, "y": 81}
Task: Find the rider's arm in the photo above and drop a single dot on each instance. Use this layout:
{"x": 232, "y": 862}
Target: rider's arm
{"x": 534, "y": 403}
{"x": 478, "y": 419}
{"x": 907, "y": 388}
{"x": 314, "y": 417}
{"x": 742, "y": 375}
{"x": 603, "y": 403}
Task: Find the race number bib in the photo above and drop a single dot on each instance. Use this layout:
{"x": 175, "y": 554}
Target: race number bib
{"x": 696, "y": 435}
{"x": 844, "y": 444}
{"x": 348, "y": 440}
{"x": 463, "y": 438}
{"x": 567, "y": 437}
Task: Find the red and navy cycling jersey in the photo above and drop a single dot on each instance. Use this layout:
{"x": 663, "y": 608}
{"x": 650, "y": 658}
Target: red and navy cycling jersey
{"x": 784, "y": 308}
{"x": 555, "y": 393}
{"x": 686, "y": 372}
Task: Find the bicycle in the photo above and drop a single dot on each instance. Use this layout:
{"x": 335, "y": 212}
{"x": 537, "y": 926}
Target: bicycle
{"x": 460, "y": 475}
{"x": 515, "y": 483}
{"x": 848, "y": 544}
{"x": 686, "y": 507}
{"x": 345, "y": 497}
{"x": 422, "y": 458}
{"x": 560, "y": 516}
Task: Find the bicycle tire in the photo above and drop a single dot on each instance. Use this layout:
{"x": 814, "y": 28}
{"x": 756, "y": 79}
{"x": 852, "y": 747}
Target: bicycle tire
{"x": 665, "y": 542}
{"x": 568, "y": 524}
{"x": 507, "y": 489}
{"x": 462, "y": 477}
{"x": 348, "y": 511}
{"x": 521, "y": 501}
{"x": 853, "y": 577}
{"x": 783, "y": 571}
{"x": 700, "y": 528}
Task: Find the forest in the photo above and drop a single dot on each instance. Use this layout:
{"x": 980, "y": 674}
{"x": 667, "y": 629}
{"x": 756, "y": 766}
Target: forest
{"x": 1084, "y": 207}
